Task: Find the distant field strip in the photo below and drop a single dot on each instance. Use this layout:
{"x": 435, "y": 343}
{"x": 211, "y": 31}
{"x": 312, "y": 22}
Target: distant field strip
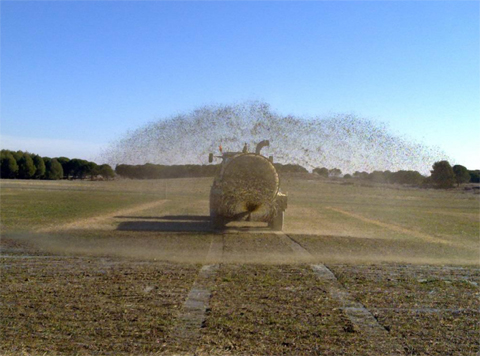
{"x": 396, "y": 228}
{"x": 85, "y": 223}
{"x": 471, "y": 216}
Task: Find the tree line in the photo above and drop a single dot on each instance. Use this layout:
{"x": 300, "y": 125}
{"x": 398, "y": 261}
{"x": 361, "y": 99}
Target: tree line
{"x": 158, "y": 171}
{"x": 25, "y": 165}
{"x": 400, "y": 177}
{"x": 443, "y": 175}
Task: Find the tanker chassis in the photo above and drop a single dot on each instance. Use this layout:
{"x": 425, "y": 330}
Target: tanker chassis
{"x": 247, "y": 188}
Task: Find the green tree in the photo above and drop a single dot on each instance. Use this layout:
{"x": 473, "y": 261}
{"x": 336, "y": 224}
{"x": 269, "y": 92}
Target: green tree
{"x": 9, "y": 166}
{"x": 360, "y": 175}
{"x": 442, "y": 176}
{"x": 406, "y": 177}
{"x": 39, "y": 166}
{"x": 66, "y": 166}
{"x": 79, "y": 168}
{"x": 92, "y": 170}
{"x": 461, "y": 174}
{"x": 54, "y": 169}
{"x": 377, "y": 177}
{"x": 17, "y": 155}
{"x": 26, "y": 167}
{"x": 323, "y": 172}
{"x": 335, "y": 172}
{"x": 48, "y": 163}
{"x": 106, "y": 171}
{"x": 474, "y": 176}
{"x": 347, "y": 176}
{"x": 281, "y": 168}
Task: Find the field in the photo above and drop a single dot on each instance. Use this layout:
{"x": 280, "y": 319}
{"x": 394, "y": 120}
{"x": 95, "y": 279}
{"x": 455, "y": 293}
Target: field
{"x": 133, "y": 267}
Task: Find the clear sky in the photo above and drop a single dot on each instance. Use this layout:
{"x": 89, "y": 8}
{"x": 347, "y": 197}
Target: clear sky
{"x": 77, "y": 75}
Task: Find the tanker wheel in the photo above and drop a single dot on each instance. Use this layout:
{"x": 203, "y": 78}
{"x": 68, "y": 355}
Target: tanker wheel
{"x": 277, "y": 222}
{"x": 218, "y": 223}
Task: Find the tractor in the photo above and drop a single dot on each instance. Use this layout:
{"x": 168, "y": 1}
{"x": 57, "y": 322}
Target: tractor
{"x": 247, "y": 188}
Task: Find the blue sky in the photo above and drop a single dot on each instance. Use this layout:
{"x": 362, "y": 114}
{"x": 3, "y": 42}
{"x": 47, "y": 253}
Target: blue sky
{"x": 77, "y": 75}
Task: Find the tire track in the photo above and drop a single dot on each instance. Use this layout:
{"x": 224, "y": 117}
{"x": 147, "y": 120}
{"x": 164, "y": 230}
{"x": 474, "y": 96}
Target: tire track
{"x": 186, "y": 333}
{"x": 362, "y": 319}
{"x": 296, "y": 247}
{"x": 216, "y": 249}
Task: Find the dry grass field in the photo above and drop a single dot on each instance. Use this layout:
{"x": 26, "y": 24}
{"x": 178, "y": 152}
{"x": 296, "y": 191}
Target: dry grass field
{"x": 133, "y": 267}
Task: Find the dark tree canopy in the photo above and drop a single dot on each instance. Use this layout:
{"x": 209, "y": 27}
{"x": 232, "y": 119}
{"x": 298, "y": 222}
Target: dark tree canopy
{"x": 65, "y": 162}
{"x": 9, "y": 166}
{"x": 26, "y": 167}
{"x": 17, "y": 155}
{"x": 461, "y": 174}
{"x": 360, "y": 175}
{"x": 442, "y": 176}
{"x": 79, "y": 168}
{"x": 378, "y": 177}
{"x": 323, "y": 172}
{"x": 406, "y": 177}
{"x": 54, "y": 169}
{"x": 474, "y": 176}
{"x": 19, "y": 164}
{"x": 91, "y": 169}
{"x": 335, "y": 172}
{"x": 39, "y": 167}
{"x": 158, "y": 171}
{"x": 106, "y": 171}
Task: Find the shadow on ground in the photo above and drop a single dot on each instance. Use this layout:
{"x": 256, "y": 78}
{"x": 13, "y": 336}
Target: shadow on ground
{"x": 167, "y": 223}
{"x": 184, "y": 223}
{"x": 169, "y": 217}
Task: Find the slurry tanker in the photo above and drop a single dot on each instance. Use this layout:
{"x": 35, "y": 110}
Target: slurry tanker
{"x": 247, "y": 188}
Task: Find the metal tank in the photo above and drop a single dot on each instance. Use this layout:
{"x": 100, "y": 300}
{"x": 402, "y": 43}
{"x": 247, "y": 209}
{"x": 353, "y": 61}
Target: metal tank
{"x": 247, "y": 188}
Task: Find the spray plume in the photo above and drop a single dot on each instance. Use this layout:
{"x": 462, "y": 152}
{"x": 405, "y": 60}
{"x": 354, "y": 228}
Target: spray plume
{"x": 338, "y": 141}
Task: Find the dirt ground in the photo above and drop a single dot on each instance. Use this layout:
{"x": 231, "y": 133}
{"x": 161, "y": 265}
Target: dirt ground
{"x": 121, "y": 272}
{"x": 72, "y": 305}
{"x": 89, "y": 306}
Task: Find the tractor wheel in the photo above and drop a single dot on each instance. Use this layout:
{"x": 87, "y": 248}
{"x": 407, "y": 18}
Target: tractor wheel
{"x": 277, "y": 223}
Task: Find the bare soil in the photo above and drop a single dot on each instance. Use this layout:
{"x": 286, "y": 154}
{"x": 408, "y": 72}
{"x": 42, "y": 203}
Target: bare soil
{"x": 272, "y": 310}
{"x": 95, "y": 305}
{"x": 89, "y": 306}
{"x": 114, "y": 272}
{"x": 434, "y": 310}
